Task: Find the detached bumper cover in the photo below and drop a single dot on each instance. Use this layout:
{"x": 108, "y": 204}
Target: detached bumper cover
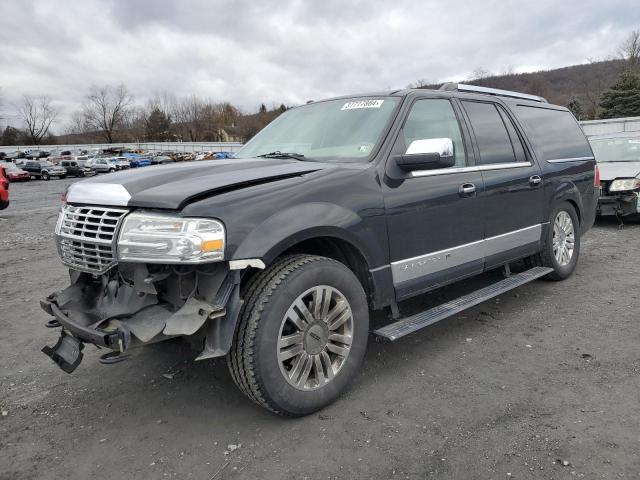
{"x": 623, "y": 203}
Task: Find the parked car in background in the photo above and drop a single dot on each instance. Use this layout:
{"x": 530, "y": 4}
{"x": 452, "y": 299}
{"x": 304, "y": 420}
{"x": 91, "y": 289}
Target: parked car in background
{"x": 36, "y": 154}
{"x": 161, "y": 160}
{"x": 58, "y": 157}
{"x": 618, "y": 157}
{"x": 137, "y": 160}
{"x": 75, "y": 169}
{"x": 44, "y": 169}
{"x": 121, "y": 163}
{"x": 4, "y": 189}
{"x": 102, "y": 165}
{"x": 15, "y": 173}
{"x": 15, "y": 156}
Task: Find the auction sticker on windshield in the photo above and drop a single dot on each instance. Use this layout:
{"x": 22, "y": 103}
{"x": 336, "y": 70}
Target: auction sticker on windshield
{"x": 362, "y": 104}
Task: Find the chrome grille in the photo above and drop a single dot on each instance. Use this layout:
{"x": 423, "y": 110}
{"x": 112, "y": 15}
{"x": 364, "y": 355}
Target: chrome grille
{"x": 87, "y": 237}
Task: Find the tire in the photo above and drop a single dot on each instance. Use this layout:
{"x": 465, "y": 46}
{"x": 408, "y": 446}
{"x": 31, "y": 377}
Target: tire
{"x": 547, "y": 257}
{"x": 111, "y": 170}
{"x": 45, "y": 176}
{"x": 81, "y": 174}
{"x": 274, "y": 377}
{"x": 62, "y": 177}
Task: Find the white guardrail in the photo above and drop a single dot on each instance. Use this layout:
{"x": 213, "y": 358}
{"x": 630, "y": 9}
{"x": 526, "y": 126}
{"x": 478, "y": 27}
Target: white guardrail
{"x": 151, "y": 146}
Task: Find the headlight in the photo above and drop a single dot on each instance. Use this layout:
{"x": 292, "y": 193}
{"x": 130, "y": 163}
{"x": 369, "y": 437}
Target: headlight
{"x": 622, "y": 184}
{"x": 154, "y": 238}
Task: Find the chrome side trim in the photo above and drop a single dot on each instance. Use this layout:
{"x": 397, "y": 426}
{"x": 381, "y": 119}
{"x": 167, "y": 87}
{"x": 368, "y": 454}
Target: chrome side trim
{"x": 567, "y": 160}
{"x": 474, "y": 168}
{"x": 507, "y": 241}
{"x": 110, "y": 194}
{"x": 422, "y": 265}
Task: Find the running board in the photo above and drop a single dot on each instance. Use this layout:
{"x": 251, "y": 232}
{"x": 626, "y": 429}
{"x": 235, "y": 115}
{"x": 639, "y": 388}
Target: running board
{"x": 420, "y": 320}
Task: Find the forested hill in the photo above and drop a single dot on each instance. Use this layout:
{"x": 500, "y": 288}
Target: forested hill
{"x": 586, "y": 82}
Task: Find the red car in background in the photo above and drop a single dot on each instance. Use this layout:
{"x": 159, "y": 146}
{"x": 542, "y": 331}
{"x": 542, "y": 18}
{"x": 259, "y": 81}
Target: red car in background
{"x": 14, "y": 173}
{"x": 4, "y": 189}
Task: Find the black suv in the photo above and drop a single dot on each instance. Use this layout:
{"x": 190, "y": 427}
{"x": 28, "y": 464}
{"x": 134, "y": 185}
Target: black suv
{"x": 275, "y": 258}
{"x": 74, "y": 169}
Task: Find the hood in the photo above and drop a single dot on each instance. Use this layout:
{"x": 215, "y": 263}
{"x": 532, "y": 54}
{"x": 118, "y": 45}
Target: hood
{"x": 612, "y": 170}
{"x": 173, "y": 186}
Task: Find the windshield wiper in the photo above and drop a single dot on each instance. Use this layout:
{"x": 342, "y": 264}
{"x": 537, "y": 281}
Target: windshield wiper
{"x": 279, "y": 154}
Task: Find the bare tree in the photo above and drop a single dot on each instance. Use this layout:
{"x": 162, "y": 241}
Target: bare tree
{"x": 106, "y": 108}
{"x": 189, "y": 117}
{"x": 37, "y": 114}
{"x": 479, "y": 73}
{"x": 629, "y": 50}
{"x": 420, "y": 83}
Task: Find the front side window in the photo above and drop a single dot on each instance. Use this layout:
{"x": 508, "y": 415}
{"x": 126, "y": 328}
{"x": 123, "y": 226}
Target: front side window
{"x": 491, "y": 133}
{"x": 432, "y": 118}
{"x": 334, "y": 130}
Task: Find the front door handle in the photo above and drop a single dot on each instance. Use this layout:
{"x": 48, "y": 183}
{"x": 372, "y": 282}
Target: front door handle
{"x": 467, "y": 190}
{"x": 535, "y": 180}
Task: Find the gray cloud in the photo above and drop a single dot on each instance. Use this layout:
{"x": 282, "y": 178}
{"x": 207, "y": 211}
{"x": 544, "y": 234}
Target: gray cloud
{"x": 276, "y": 51}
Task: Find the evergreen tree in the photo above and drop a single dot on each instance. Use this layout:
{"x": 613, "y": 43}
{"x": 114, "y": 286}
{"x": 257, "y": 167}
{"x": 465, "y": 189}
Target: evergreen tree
{"x": 263, "y": 108}
{"x": 11, "y": 136}
{"x": 623, "y": 99}
{"x": 575, "y": 107}
{"x": 157, "y": 126}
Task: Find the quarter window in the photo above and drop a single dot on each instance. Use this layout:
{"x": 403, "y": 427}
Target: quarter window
{"x": 433, "y": 118}
{"x": 494, "y": 133}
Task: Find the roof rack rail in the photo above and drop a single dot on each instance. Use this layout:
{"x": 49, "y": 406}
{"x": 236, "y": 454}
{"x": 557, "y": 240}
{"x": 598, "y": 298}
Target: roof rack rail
{"x": 460, "y": 87}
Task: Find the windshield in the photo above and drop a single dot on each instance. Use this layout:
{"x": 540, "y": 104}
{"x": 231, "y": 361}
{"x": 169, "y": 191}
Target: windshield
{"x": 345, "y": 129}
{"x": 616, "y": 149}
{"x": 46, "y": 163}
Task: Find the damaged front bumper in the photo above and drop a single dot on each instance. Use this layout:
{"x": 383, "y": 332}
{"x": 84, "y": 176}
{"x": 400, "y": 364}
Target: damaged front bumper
{"x": 135, "y": 304}
{"x": 619, "y": 204}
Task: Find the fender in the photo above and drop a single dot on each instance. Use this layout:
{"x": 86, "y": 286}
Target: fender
{"x": 566, "y": 191}
{"x": 308, "y": 220}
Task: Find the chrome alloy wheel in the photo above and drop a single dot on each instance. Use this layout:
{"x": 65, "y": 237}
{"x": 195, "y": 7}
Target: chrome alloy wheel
{"x": 563, "y": 238}
{"x": 315, "y": 337}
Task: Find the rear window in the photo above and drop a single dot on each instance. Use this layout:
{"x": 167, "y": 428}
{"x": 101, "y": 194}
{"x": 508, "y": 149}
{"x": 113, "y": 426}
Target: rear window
{"x": 555, "y": 133}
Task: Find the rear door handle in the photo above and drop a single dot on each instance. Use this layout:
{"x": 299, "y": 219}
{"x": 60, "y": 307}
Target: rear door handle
{"x": 535, "y": 180}
{"x": 467, "y": 190}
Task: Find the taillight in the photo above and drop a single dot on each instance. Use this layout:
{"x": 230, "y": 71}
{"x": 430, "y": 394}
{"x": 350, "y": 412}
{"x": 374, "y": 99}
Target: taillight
{"x": 596, "y": 180}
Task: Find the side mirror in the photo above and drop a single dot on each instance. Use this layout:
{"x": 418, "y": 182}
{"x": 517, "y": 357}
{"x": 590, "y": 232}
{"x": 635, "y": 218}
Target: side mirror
{"x": 427, "y": 154}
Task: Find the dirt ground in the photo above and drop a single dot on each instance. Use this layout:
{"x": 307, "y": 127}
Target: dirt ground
{"x": 543, "y": 382}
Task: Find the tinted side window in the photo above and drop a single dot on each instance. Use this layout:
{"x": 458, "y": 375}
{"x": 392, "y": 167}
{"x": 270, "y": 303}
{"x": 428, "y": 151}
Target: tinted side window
{"x": 555, "y": 132}
{"x": 433, "y": 118}
{"x": 491, "y": 133}
{"x": 516, "y": 141}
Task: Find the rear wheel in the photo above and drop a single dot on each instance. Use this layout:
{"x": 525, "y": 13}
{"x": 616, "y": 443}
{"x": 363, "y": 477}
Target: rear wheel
{"x": 561, "y": 245}
{"x": 301, "y": 335}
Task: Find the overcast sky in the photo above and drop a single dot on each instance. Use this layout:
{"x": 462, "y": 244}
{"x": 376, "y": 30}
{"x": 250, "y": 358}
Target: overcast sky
{"x": 278, "y": 51}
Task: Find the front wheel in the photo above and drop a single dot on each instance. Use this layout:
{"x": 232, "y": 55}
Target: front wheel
{"x": 561, "y": 245}
{"x": 301, "y": 335}
{"x": 111, "y": 170}
{"x": 45, "y": 176}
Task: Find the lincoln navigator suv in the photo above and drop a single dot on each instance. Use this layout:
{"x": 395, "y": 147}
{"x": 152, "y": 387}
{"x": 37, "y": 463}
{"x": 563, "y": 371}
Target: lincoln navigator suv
{"x": 274, "y": 259}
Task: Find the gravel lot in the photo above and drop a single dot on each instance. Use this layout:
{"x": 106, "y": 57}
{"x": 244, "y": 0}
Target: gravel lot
{"x": 543, "y": 382}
